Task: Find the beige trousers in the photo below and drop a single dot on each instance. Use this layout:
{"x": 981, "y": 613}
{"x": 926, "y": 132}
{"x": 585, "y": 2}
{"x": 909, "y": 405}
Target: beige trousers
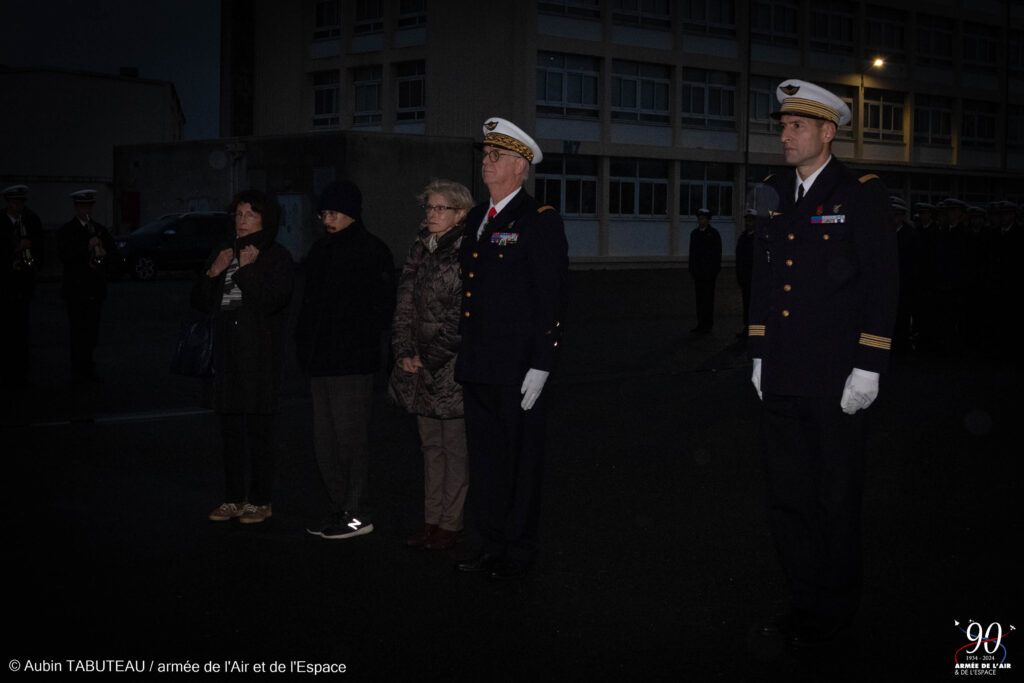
{"x": 446, "y": 476}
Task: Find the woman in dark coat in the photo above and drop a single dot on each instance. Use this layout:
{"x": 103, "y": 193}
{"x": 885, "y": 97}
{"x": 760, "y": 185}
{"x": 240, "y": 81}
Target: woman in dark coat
{"x": 425, "y": 339}
{"x": 247, "y": 286}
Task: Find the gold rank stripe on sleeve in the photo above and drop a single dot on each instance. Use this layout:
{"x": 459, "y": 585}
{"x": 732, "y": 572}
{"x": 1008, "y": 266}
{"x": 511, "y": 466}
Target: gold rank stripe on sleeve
{"x": 869, "y": 176}
{"x": 755, "y": 330}
{"x": 546, "y": 207}
{"x": 876, "y": 342}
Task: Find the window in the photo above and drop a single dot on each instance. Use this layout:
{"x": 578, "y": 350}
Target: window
{"x": 412, "y": 13}
{"x": 325, "y": 99}
{"x": 709, "y": 17}
{"x": 653, "y": 14}
{"x": 707, "y": 186}
{"x": 587, "y": 9}
{"x": 883, "y": 115}
{"x": 568, "y": 183}
{"x": 775, "y": 23}
{"x": 885, "y": 33}
{"x": 930, "y": 188}
{"x": 762, "y": 103}
{"x": 832, "y": 25}
{"x": 708, "y": 99}
{"x": 978, "y": 124}
{"x": 640, "y": 92}
{"x": 369, "y": 17}
{"x": 410, "y": 80}
{"x": 980, "y": 45}
{"x": 933, "y": 120}
{"x": 366, "y": 86}
{"x": 567, "y": 85}
{"x": 934, "y": 41}
{"x": 638, "y": 188}
{"x": 1015, "y": 126}
{"x": 328, "y": 22}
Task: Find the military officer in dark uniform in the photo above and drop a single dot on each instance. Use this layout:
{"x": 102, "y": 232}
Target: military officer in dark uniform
{"x": 821, "y": 320}
{"x": 24, "y": 234}
{"x": 514, "y": 264}
{"x": 84, "y": 245}
{"x": 705, "y": 262}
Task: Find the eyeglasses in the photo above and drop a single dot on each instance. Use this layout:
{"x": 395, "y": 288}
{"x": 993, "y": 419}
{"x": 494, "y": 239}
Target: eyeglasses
{"x": 429, "y": 208}
{"x": 328, "y": 214}
{"x": 247, "y": 216}
{"x": 494, "y": 155}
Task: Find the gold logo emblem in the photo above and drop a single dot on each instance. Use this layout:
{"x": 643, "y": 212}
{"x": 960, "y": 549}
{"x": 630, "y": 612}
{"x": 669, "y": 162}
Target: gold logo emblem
{"x": 491, "y": 125}
{"x": 835, "y": 209}
{"x": 790, "y": 89}
{"x": 773, "y": 214}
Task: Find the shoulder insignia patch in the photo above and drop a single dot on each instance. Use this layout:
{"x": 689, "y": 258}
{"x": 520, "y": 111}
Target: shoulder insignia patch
{"x": 544, "y": 208}
{"x": 869, "y": 176}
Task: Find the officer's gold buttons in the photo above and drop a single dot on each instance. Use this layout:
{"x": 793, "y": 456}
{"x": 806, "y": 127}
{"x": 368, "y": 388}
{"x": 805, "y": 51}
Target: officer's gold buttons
{"x": 789, "y": 262}
{"x": 501, "y": 256}
{"x": 466, "y": 314}
{"x": 469, "y": 294}
{"x": 790, "y": 236}
{"x": 825, "y": 236}
{"x": 785, "y": 314}
{"x": 472, "y": 274}
{"x": 786, "y": 288}
{"x": 476, "y": 254}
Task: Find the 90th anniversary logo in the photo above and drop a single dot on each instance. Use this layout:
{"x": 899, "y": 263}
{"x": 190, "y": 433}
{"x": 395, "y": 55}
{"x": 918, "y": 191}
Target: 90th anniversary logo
{"x": 984, "y": 653}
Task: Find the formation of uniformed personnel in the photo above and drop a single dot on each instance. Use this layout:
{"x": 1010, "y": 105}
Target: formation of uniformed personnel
{"x": 84, "y": 246}
{"x": 822, "y": 311}
{"x": 24, "y": 240}
{"x": 907, "y": 250}
{"x": 514, "y": 265}
{"x": 704, "y": 263}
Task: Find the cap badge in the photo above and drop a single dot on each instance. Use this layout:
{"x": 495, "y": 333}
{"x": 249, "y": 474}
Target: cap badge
{"x": 790, "y": 89}
{"x": 491, "y": 125}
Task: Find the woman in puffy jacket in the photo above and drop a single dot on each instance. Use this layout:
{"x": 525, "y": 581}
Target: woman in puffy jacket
{"x": 425, "y": 341}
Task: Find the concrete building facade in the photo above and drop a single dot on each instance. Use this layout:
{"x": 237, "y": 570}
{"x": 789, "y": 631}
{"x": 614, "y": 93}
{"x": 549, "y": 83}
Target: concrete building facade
{"x": 647, "y": 111}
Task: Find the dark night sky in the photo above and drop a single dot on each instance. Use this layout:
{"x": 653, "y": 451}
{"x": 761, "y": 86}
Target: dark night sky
{"x": 170, "y": 40}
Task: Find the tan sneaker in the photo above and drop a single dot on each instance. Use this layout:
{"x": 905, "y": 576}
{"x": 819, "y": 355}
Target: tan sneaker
{"x": 227, "y": 511}
{"x": 254, "y": 514}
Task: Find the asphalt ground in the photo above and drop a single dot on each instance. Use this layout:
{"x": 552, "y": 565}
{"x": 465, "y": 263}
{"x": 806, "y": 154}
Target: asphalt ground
{"x": 656, "y": 562}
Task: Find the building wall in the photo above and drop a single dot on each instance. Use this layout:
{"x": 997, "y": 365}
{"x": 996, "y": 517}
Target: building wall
{"x": 483, "y": 59}
{"x": 61, "y": 128}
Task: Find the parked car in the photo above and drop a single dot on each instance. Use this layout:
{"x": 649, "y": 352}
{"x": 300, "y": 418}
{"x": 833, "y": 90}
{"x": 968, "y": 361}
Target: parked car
{"x": 172, "y": 242}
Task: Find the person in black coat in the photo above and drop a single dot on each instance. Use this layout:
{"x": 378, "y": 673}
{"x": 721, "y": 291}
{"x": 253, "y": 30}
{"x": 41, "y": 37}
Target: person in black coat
{"x": 705, "y": 261}
{"x": 246, "y": 286}
{"x": 823, "y": 307}
{"x": 745, "y": 265}
{"x": 83, "y": 245}
{"x": 348, "y": 299}
{"x": 514, "y": 263}
{"x": 23, "y": 235}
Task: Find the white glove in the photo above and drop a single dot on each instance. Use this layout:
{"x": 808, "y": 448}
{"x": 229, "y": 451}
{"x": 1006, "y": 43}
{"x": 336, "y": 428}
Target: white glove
{"x": 533, "y": 384}
{"x": 860, "y": 391}
{"x": 755, "y": 377}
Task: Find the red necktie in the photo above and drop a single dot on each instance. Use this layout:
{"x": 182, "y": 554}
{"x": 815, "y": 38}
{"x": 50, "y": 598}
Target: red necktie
{"x": 492, "y": 213}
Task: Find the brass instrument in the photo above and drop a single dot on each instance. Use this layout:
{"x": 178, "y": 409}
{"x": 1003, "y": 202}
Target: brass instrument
{"x": 25, "y": 260}
{"x": 97, "y": 254}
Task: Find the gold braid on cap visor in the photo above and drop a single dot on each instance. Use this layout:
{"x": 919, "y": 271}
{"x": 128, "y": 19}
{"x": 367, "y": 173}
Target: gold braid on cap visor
{"x": 800, "y": 106}
{"x": 508, "y": 142}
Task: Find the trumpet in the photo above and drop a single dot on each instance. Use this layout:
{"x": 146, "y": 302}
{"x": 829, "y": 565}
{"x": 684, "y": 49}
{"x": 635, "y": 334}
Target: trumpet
{"x": 25, "y": 260}
{"x": 97, "y": 254}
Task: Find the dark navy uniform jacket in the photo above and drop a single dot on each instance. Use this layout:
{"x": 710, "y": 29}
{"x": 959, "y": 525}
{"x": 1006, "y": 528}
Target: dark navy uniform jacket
{"x": 513, "y": 292}
{"x": 825, "y": 282}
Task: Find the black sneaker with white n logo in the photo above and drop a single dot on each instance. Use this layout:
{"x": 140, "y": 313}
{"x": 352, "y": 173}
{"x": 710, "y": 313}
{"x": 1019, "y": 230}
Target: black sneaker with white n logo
{"x": 347, "y": 527}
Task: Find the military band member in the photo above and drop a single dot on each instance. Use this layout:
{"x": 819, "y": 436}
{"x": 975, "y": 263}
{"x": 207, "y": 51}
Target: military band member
{"x": 24, "y": 238}
{"x": 821, "y": 320}
{"x": 514, "y": 263}
{"x": 84, "y": 245}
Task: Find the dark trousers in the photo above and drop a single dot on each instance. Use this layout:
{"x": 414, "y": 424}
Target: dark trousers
{"x": 704, "y": 289}
{"x": 814, "y": 461}
{"x": 506, "y": 457}
{"x": 84, "y": 324}
{"x": 341, "y": 420}
{"x": 248, "y": 445}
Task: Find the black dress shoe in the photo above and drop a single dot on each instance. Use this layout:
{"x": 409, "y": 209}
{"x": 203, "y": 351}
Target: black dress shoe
{"x": 483, "y": 562}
